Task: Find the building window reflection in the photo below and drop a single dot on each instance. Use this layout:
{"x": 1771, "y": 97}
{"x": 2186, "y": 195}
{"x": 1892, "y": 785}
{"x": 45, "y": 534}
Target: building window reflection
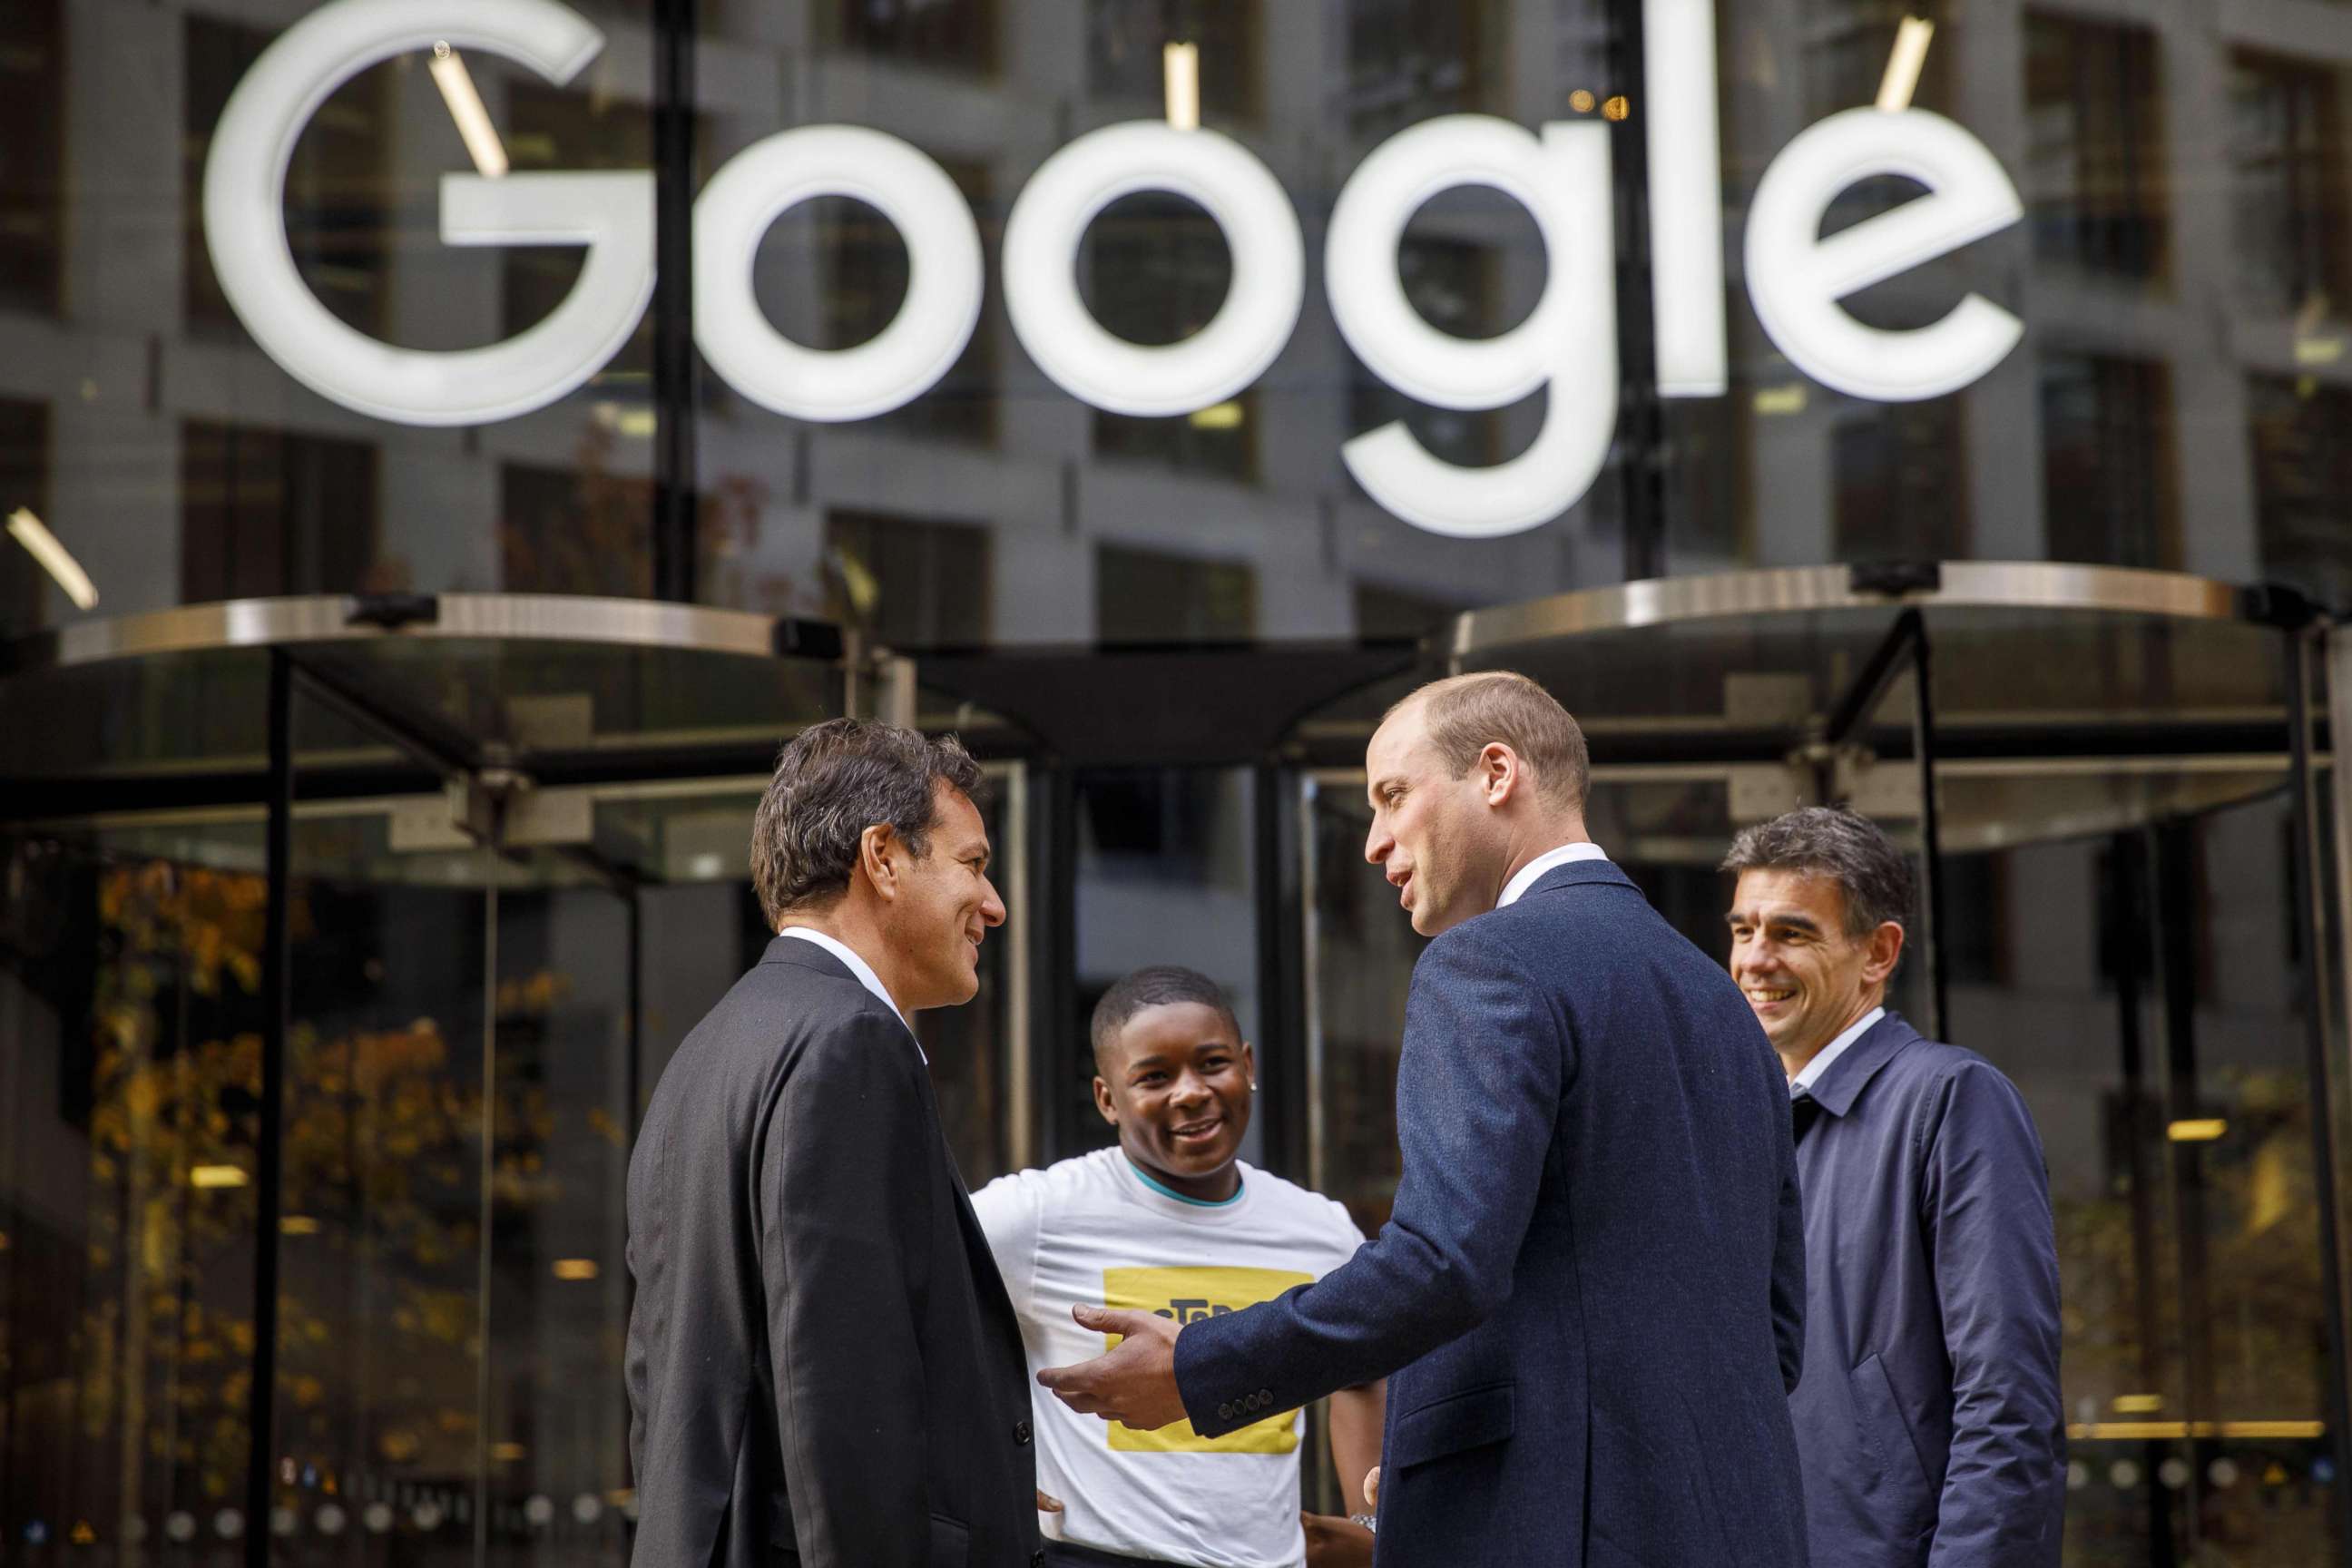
{"x": 583, "y": 529}
{"x": 1154, "y": 270}
{"x": 32, "y": 153}
{"x": 943, "y": 35}
{"x": 1125, "y": 43}
{"x": 2095, "y": 145}
{"x": 2288, "y": 172}
{"x": 1383, "y": 611}
{"x": 1847, "y": 46}
{"x": 1150, "y": 595}
{"x": 1410, "y": 59}
{"x": 2303, "y": 483}
{"x": 1902, "y": 491}
{"x": 269, "y": 511}
{"x": 908, "y": 582}
{"x": 2107, "y": 493}
{"x": 336, "y": 186}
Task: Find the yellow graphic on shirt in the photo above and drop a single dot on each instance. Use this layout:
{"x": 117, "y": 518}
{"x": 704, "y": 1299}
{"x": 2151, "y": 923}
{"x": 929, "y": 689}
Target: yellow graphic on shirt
{"x": 1183, "y": 1295}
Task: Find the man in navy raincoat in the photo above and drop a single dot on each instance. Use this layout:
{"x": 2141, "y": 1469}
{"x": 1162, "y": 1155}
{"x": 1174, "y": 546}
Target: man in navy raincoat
{"x": 1929, "y": 1417}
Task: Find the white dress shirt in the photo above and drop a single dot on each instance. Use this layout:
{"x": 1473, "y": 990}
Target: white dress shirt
{"x": 860, "y": 968}
{"x": 1803, "y": 1082}
{"x": 1550, "y": 859}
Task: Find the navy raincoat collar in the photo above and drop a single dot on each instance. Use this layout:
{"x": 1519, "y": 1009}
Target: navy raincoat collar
{"x": 1849, "y": 1075}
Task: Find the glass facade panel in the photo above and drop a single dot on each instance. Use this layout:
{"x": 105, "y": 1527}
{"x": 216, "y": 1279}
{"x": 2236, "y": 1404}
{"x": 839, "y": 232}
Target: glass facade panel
{"x": 129, "y": 1008}
{"x": 2286, "y": 167}
{"x": 2303, "y": 466}
{"x": 2128, "y": 225}
{"x": 2107, "y": 488}
{"x": 32, "y": 154}
{"x": 1146, "y": 597}
{"x": 2095, "y": 170}
{"x": 2159, "y": 381}
{"x": 384, "y": 1314}
{"x": 2147, "y": 1006}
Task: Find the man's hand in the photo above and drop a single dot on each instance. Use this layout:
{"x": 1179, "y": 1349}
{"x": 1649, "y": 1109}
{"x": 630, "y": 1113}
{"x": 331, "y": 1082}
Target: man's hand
{"x": 1333, "y": 1542}
{"x": 1135, "y": 1384}
{"x": 1047, "y": 1504}
{"x": 1373, "y": 1490}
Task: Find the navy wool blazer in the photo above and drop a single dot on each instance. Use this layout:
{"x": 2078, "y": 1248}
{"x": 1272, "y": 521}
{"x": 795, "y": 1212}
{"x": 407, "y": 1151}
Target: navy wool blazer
{"x": 1589, "y": 1294}
{"x": 1930, "y": 1416}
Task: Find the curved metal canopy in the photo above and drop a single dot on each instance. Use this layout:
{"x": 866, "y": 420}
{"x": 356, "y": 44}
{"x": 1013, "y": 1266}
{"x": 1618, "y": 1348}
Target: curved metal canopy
{"x": 2066, "y": 698}
{"x": 2057, "y": 587}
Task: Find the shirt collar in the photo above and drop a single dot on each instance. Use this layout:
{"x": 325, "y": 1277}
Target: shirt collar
{"x": 858, "y": 967}
{"x": 1804, "y": 1081}
{"x": 1549, "y": 861}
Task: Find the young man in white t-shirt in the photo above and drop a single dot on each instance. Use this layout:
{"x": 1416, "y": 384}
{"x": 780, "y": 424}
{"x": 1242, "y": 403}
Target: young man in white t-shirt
{"x": 1170, "y": 1222}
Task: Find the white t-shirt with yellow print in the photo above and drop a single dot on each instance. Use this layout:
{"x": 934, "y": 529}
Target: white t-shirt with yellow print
{"x": 1095, "y": 1229}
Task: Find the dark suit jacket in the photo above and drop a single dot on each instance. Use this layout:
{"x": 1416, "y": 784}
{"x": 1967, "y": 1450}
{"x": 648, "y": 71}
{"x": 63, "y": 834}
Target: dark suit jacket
{"x": 1589, "y": 1294}
{"x": 821, "y": 1358}
{"x": 1929, "y": 1415}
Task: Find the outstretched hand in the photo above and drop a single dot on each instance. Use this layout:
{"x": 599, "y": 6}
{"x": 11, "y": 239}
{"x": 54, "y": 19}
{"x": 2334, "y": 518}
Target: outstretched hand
{"x": 1335, "y": 1542}
{"x": 1135, "y": 1383}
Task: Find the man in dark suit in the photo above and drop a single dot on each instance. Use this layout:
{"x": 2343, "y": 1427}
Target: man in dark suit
{"x": 1929, "y": 1415}
{"x": 1590, "y": 1292}
{"x": 823, "y": 1366}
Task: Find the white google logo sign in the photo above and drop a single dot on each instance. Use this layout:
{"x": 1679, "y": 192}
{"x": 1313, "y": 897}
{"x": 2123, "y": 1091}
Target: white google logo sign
{"x": 1566, "y": 346}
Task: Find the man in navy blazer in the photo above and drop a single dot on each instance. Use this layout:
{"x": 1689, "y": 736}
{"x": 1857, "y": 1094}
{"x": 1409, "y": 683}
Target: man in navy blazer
{"x": 1929, "y": 1415}
{"x": 1588, "y": 1300}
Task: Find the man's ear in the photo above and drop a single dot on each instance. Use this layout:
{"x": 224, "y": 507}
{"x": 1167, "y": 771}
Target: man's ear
{"x": 1501, "y": 774}
{"x": 874, "y": 857}
{"x": 1885, "y": 951}
{"x": 1102, "y": 1101}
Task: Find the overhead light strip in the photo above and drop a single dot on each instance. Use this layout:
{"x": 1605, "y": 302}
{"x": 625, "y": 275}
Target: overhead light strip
{"x": 55, "y": 558}
{"x": 1903, "y": 65}
{"x": 1180, "y": 65}
{"x": 456, "y": 85}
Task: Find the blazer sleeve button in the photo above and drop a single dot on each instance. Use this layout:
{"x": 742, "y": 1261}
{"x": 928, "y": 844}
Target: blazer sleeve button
{"x": 1225, "y": 1411}
{"x": 1021, "y": 1433}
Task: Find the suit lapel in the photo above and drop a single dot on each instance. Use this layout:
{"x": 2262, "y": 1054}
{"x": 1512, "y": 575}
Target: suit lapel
{"x": 986, "y": 1278}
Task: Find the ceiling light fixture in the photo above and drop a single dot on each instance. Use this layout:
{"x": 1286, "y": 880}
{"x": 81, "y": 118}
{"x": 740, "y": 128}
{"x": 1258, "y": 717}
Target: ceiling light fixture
{"x": 1180, "y": 65}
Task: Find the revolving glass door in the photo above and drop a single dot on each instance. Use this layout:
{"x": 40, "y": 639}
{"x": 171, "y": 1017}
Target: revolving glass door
{"x": 341, "y": 946}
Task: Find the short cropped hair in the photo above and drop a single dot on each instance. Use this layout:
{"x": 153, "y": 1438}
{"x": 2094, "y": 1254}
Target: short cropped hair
{"x": 1841, "y": 845}
{"x": 833, "y": 782}
{"x": 1464, "y": 714}
{"x": 1159, "y": 986}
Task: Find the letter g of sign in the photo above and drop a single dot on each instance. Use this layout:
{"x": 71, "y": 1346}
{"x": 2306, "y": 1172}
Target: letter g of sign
{"x": 245, "y": 227}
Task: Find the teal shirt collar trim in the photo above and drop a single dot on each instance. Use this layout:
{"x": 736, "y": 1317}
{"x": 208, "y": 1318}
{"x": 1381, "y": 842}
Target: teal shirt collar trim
{"x": 1167, "y": 1192}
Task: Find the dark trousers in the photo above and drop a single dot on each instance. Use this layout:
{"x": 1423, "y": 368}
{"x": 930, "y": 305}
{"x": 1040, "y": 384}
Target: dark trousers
{"x": 1070, "y": 1554}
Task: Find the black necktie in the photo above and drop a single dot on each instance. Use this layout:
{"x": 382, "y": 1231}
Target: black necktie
{"x": 1803, "y": 1111}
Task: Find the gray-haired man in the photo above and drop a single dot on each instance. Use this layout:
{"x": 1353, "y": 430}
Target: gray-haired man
{"x": 822, "y": 1360}
{"x": 1929, "y": 1416}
